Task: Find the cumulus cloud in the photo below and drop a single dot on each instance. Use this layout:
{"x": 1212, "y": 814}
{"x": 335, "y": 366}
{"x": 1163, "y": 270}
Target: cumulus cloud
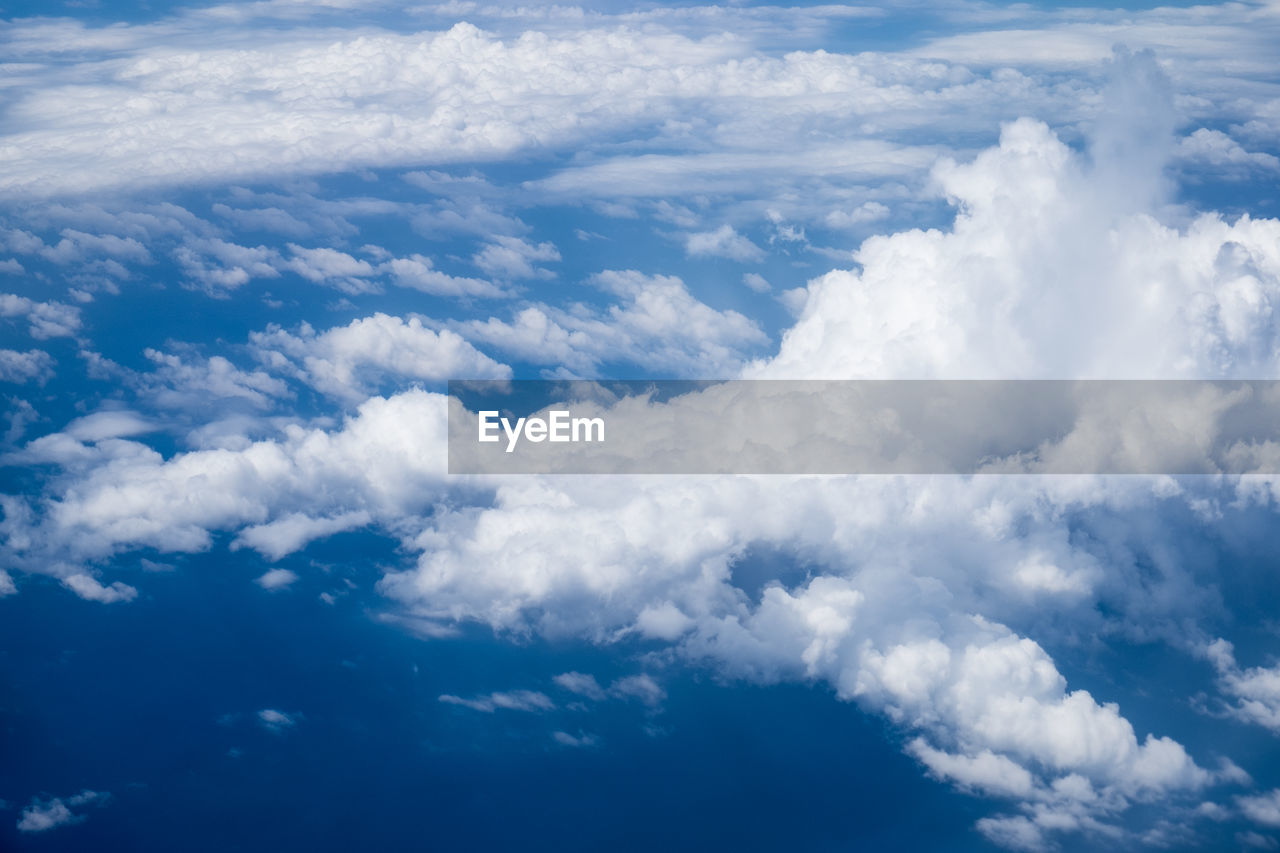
{"x": 1218, "y": 149}
{"x": 512, "y": 258}
{"x": 1262, "y": 808}
{"x": 724, "y": 242}
{"x": 275, "y": 579}
{"x": 332, "y": 267}
{"x": 1037, "y": 278}
{"x": 45, "y": 319}
{"x": 921, "y": 599}
{"x": 190, "y": 383}
{"x": 219, "y": 266}
{"x": 291, "y": 533}
{"x": 658, "y": 324}
{"x": 418, "y": 273}
{"x": 347, "y": 361}
{"x": 584, "y": 684}
{"x": 1253, "y": 694}
{"x": 91, "y": 589}
{"x": 388, "y": 459}
{"x": 43, "y": 815}
{"x": 21, "y": 367}
{"x": 276, "y": 721}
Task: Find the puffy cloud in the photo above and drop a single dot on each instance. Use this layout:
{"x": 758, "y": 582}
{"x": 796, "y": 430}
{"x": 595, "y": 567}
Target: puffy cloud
{"x": 329, "y": 266}
{"x": 581, "y": 683}
{"x": 20, "y": 367}
{"x": 163, "y": 103}
{"x": 291, "y": 533}
{"x": 1043, "y": 273}
{"x": 986, "y": 772}
{"x": 513, "y": 258}
{"x": 276, "y": 578}
{"x": 43, "y": 815}
{"x": 276, "y": 721}
{"x": 89, "y": 588}
{"x": 863, "y": 214}
{"x": 658, "y": 325}
{"x": 1218, "y": 149}
{"x": 388, "y": 460}
{"x": 1254, "y": 693}
{"x": 346, "y": 360}
{"x": 417, "y": 273}
{"x": 218, "y": 266}
{"x": 641, "y": 687}
{"x": 724, "y": 242}
{"x": 45, "y": 319}
{"x": 1262, "y": 808}
{"x": 190, "y": 384}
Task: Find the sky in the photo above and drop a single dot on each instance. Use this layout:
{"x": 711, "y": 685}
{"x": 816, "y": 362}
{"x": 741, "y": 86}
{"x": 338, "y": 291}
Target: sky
{"x": 244, "y": 246}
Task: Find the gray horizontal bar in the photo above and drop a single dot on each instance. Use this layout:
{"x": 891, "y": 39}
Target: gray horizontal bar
{"x": 865, "y": 427}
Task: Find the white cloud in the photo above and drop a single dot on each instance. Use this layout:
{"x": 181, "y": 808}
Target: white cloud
{"x": 218, "y": 266}
{"x": 107, "y": 424}
{"x": 641, "y": 687}
{"x": 863, "y": 214}
{"x": 190, "y": 384}
{"x": 387, "y": 459}
{"x": 274, "y": 579}
{"x": 1013, "y": 833}
{"x": 1262, "y": 808}
{"x": 1043, "y": 274}
{"x": 21, "y": 367}
{"x": 43, "y": 815}
{"x": 658, "y": 325}
{"x": 1256, "y": 840}
{"x": 276, "y": 721}
{"x": 292, "y": 533}
{"x": 986, "y": 771}
{"x": 163, "y": 103}
{"x": 512, "y": 258}
{"x": 516, "y": 700}
{"x": 724, "y": 242}
{"x": 756, "y": 282}
{"x": 581, "y": 683}
{"x": 579, "y": 740}
{"x": 332, "y": 267}
{"x": 46, "y": 319}
{"x": 346, "y": 361}
{"x": 1253, "y": 693}
{"x": 89, "y": 588}
{"x": 417, "y": 273}
{"x": 1217, "y": 149}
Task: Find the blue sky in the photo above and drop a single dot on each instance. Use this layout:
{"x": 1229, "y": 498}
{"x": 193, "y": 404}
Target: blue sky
{"x": 243, "y": 247}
